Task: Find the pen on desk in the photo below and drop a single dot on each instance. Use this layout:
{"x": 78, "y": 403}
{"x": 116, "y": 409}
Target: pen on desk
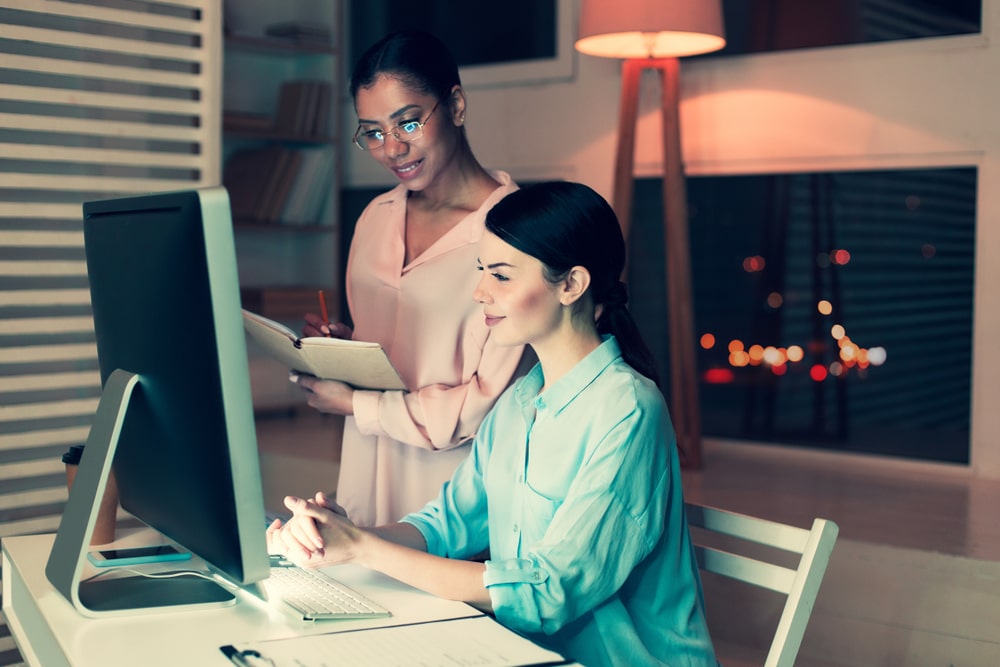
{"x": 322, "y": 309}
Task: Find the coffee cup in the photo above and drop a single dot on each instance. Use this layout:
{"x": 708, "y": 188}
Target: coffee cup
{"x": 107, "y": 515}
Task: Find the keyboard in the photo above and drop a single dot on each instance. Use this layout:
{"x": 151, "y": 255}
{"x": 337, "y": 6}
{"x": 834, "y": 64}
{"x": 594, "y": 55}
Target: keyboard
{"x": 316, "y": 596}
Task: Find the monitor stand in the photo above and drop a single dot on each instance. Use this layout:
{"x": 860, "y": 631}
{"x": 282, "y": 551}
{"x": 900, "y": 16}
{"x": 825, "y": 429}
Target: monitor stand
{"x": 112, "y": 594}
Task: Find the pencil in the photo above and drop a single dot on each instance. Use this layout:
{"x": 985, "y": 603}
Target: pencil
{"x": 322, "y": 308}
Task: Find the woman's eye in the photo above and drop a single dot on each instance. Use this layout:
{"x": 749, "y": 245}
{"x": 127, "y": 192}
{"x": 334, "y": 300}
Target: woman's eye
{"x": 502, "y": 278}
{"x": 374, "y": 134}
{"x": 409, "y": 126}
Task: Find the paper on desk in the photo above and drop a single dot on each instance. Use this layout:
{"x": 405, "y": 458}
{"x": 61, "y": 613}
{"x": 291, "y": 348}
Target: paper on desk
{"x": 479, "y": 641}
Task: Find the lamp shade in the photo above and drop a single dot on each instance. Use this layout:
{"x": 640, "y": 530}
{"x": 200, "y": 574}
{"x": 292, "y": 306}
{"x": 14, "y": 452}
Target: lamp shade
{"x": 649, "y": 28}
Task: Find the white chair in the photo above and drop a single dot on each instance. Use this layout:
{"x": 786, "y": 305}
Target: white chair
{"x": 799, "y": 583}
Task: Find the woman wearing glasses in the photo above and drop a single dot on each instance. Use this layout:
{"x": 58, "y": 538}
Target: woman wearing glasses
{"x": 409, "y": 274}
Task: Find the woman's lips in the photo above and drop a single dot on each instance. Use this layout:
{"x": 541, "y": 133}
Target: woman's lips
{"x": 408, "y": 171}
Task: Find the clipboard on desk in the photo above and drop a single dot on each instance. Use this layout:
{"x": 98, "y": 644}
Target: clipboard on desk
{"x": 475, "y": 640}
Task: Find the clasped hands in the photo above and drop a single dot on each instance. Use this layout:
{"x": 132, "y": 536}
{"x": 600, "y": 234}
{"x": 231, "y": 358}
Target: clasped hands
{"x": 318, "y": 533}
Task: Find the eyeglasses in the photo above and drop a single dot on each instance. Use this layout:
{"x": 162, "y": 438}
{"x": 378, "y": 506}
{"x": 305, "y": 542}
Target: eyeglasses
{"x": 407, "y": 131}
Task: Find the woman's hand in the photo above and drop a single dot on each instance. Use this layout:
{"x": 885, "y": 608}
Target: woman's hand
{"x": 328, "y": 396}
{"x": 316, "y": 326}
{"x": 318, "y": 533}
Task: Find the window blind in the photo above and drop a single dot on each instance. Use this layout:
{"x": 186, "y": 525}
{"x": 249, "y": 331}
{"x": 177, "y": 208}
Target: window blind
{"x": 98, "y": 98}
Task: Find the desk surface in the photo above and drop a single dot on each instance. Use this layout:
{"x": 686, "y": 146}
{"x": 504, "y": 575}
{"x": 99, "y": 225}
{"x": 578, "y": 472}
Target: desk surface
{"x": 50, "y": 632}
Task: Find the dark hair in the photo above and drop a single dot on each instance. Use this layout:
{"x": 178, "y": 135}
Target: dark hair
{"x": 563, "y": 225}
{"x": 418, "y": 59}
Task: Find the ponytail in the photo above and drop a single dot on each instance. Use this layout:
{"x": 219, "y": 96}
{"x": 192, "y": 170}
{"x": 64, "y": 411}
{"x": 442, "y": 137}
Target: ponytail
{"x": 615, "y": 319}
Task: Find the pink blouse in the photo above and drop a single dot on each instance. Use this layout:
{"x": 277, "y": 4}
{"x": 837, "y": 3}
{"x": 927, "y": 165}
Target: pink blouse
{"x": 400, "y": 447}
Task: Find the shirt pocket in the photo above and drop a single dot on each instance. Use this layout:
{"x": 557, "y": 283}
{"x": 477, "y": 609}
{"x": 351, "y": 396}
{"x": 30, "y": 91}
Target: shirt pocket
{"x": 538, "y": 512}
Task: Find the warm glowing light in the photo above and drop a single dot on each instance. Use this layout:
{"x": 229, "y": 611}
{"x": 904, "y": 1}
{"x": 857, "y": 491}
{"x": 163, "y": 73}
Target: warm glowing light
{"x": 774, "y": 356}
{"x": 849, "y": 352}
{"x": 840, "y": 257}
{"x": 876, "y": 356}
{"x": 774, "y": 300}
{"x": 707, "y": 341}
{"x": 795, "y": 353}
{"x": 837, "y": 331}
{"x": 836, "y": 369}
{"x": 824, "y": 307}
{"x": 718, "y": 376}
{"x": 736, "y": 345}
{"x": 779, "y": 369}
{"x": 739, "y": 359}
{"x": 756, "y": 353}
{"x": 754, "y": 264}
{"x": 818, "y": 373}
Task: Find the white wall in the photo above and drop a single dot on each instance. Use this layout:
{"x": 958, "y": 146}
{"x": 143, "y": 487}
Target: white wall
{"x": 916, "y": 103}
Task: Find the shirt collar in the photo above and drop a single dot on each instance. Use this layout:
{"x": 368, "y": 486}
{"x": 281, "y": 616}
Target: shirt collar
{"x": 562, "y": 393}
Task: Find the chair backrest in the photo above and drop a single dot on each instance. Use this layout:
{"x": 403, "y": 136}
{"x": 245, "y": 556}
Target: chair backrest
{"x": 800, "y": 584}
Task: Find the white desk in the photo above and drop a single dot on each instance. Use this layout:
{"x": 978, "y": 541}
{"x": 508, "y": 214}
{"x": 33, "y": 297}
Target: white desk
{"x": 50, "y": 633}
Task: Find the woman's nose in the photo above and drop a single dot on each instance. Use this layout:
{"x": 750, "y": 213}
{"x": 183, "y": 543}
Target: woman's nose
{"x": 393, "y": 147}
{"x": 479, "y": 295}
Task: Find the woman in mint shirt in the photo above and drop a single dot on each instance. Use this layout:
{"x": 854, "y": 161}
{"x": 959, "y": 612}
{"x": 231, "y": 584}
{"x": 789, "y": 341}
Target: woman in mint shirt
{"x": 573, "y": 481}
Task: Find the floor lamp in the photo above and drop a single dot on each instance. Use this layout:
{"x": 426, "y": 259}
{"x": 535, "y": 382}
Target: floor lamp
{"x": 653, "y": 34}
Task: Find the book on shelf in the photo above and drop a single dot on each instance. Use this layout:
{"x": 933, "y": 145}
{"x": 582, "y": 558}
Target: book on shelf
{"x": 303, "y": 108}
{"x": 363, "y": 365}
{"x": 246, "y": 177}
{"x": 241, "y": 121}
{"x": 303, "y": 33}
{"x": 285, "y": 176}
{"x": 304, "y": 204}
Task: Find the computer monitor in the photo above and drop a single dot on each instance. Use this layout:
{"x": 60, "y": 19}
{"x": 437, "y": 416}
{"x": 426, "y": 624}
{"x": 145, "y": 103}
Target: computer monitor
{"x": 176, "y": 413}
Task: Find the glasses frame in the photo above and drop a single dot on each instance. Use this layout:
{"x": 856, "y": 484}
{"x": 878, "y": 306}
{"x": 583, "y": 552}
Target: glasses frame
{"x": 395, "y": 131}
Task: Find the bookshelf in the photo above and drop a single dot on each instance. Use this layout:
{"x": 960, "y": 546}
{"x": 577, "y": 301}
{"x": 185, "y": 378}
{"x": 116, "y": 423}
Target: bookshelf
{"x": 281, "y": 145}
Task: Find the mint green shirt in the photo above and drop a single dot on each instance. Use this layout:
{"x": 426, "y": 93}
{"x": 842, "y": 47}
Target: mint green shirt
{"x": 577, "y": 494}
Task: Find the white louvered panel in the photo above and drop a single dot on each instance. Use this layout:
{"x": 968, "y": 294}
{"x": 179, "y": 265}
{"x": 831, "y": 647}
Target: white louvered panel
{"x": 53, "y": 410}
{"x": 101, "y": 156}
{"x": 117, "y": 97}
{"x": 103, "y": 128}
{"x": 38, "y": 468}
{"x": 38, "y": 211}
{"x": 94, "y": 183}
{"x": 76, "y": 10}
{"x": 10, "y": 269}
{"x": 99, "y": 71}
{"x": 55, "y": 436}
{"x": 38, "y": 382}
{"x": 47, "y": 496}
{"x": 45, "y": 298}
{"x": 101, "y": 43}
{"x": 44, "y": 353}
{"x": 40, "y": 325}
{"x": 50, "y": 239}
{"x": 99, "y": 100}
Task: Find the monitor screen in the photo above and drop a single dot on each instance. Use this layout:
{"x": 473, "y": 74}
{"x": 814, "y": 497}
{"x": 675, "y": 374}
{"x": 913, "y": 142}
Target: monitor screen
{"x": 176, "y": 414}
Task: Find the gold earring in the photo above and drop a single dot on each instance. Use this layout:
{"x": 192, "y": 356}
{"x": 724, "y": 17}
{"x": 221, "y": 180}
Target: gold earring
{"x": 461, "y": 120}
